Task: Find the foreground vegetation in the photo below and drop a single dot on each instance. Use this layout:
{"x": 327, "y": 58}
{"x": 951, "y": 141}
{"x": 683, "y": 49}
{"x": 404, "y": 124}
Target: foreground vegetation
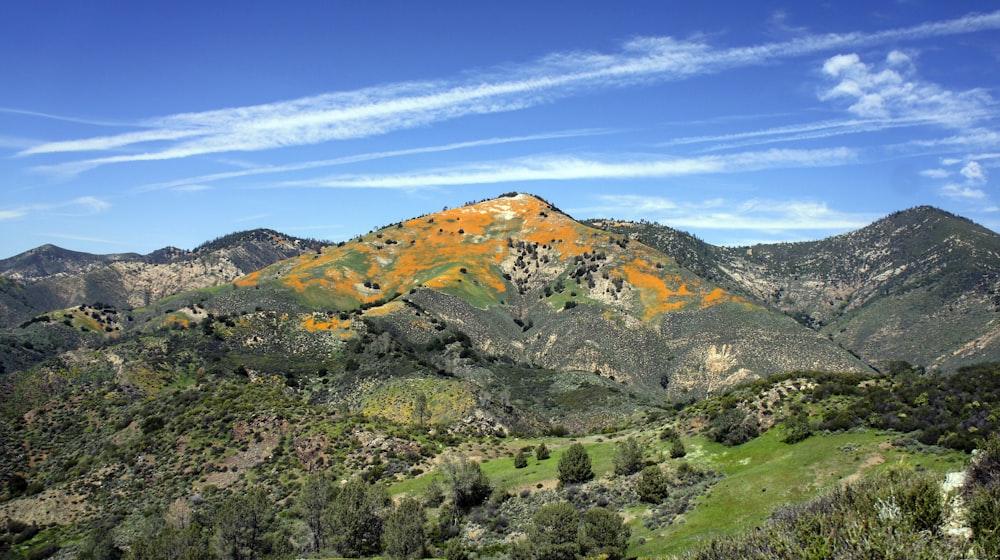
{"x": 219, "y": 466}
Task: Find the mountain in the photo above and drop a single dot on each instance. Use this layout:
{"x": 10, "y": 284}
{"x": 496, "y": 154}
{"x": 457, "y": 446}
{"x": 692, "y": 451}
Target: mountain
{"x": 529, "y": 285}
{"x": 49, "y": 277}
{"x": 919, "y": 286}
{"x": 474, "y": 334}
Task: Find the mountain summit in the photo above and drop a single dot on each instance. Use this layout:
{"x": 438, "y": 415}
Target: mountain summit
{"x": 529, "y": 285}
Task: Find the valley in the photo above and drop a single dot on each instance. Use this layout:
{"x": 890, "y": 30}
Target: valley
{"x": 148, "y": 400}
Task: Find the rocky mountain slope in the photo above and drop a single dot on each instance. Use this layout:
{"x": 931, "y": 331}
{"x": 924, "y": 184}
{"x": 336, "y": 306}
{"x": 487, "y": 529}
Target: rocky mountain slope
{"x": 529, "y": 285}
{"x": 50, "y": 277}
{"x": 919, "y": 285}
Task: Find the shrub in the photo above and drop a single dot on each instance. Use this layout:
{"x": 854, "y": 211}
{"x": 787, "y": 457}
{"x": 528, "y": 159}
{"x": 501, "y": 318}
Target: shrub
{"x": 574, "y": 465}
{"x": 403, "y": 534}
{"x": 677, "y": 449}
{"x": 733, "y": 427}
{"x": 652, "y": 486}
{"x": 455, "y": 550}
{"x": 554, "y": 530}
{"x": 468, "y": 485}
{"x": 628, "y": 457}
{"x": 984, "y": 520}
{"x": 603, "y": 534}
{"x": 520, "y": 461}
{"x": 541, "y": 452}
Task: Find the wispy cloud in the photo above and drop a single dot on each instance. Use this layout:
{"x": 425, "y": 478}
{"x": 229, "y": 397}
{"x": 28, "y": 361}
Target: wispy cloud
{"x": 762, "y": 216}
{"x": 64, "y": 118}
{"x": 81, "y": 206}
{"x": 576, "y": 168}
{"x": 358, "y": 158}
{"x": 384, "y": 109}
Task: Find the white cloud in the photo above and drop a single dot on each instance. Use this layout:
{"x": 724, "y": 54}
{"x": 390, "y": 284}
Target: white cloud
{"x": 82, "y": 206}
{"x": 936, "y": 173}
{"x": 574, "y": 168}
{"x": 974, "y": 173}
{"x": 12, "y": 214}
{"x": 384, "y": 109}
{"x": 894, "y": 92}
{"x": 763, "y": 216}
{"x": 191, "y": 188}
{"x": 356, "y": 158}
{"x": 90, "y": 204}
{"x": 962, "y": 192}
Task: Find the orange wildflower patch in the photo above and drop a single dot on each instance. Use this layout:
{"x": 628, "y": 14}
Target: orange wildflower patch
{"x": 655, "y": 290}
{"x": 248, "y": 281}
{"x": 312, "y": 323}
{"x": 173, "y": 319}
{"x": 718, "y": 296}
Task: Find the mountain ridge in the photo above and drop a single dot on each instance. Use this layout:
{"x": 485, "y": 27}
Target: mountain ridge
{"x": 50, "y": 277}
{"x": 902, "y": 268}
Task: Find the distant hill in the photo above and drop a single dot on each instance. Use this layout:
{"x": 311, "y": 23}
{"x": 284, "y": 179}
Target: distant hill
{"x": 50, "y": 277}
{"x": 138, "y": 389}
{"x": 920, "y": 285}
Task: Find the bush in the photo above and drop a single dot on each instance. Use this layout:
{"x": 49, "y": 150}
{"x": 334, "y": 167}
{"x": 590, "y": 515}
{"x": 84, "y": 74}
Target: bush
{"x": 733, "y": 427}
{"x": 652, "y": 486}
{"x": 541, "y": 452}
{"x": 603, "y": 534}
{"x": 469, "y": 486}
{"x": 984, "y": 520}
{"x": 554, "y": 530}
{"x": 520, "y": 461}
{"x": 677, "y": 449}
{"x": 455, "y": 550}
{"x": 574, "y": 465}
{"x": 403, "y": 534}
{"x": 628, "y": 457}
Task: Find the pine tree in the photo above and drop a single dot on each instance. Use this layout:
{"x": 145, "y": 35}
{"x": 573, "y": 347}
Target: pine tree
{"x": 520, "y": 461}
{"x": 553, "y": 532}
{"x": 628, "y": 457}
{"x": 403, "y": 535}
{"x": 541, "y": 452}
{"x": 574, "y": 466}
{"x": 603, "y": 534}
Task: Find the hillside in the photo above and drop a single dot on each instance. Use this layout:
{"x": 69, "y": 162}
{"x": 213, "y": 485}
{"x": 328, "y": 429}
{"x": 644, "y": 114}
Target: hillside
{"x": 403, "y": 356}
{"x": 49, "y": 277}
{"x": 919, "y": 285}
{"x": 529, "y": 285}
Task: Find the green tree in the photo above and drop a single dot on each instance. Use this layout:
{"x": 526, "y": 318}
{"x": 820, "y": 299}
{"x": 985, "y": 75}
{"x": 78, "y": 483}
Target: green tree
{"x": 241, "y": 523}
{"x": 316, "y": 496}
{"x": 677, "y": 449}
{"x": 172, "y": 543}
{"x": 541, "y": 452}
{"x": 355, "y": 518}
{"x": 628, "y": 457}
{"x": 403, "y": 535}
{"x": 553, "y": 532}
{"x": 468, "y": 485}
{"x": 797, "y": 426}
{"x": 652, "y": 486}
{"x": 421, "y": 412}
{"x": 734, "y": 426}
{"x": 520, "y": 460}
{"x": 574, "y": 465}
{"x": 455, "y": 550}
{"x": 603, "y": 534}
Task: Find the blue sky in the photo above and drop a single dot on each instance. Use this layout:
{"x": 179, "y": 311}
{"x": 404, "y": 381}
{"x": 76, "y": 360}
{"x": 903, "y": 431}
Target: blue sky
{"x": 130, "y": 126}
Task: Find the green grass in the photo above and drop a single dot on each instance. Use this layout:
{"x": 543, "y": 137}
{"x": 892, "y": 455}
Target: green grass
{"x": 502, "y": 473}
{"x": 759, "y": 476}
{"x": 765, "y": 473}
